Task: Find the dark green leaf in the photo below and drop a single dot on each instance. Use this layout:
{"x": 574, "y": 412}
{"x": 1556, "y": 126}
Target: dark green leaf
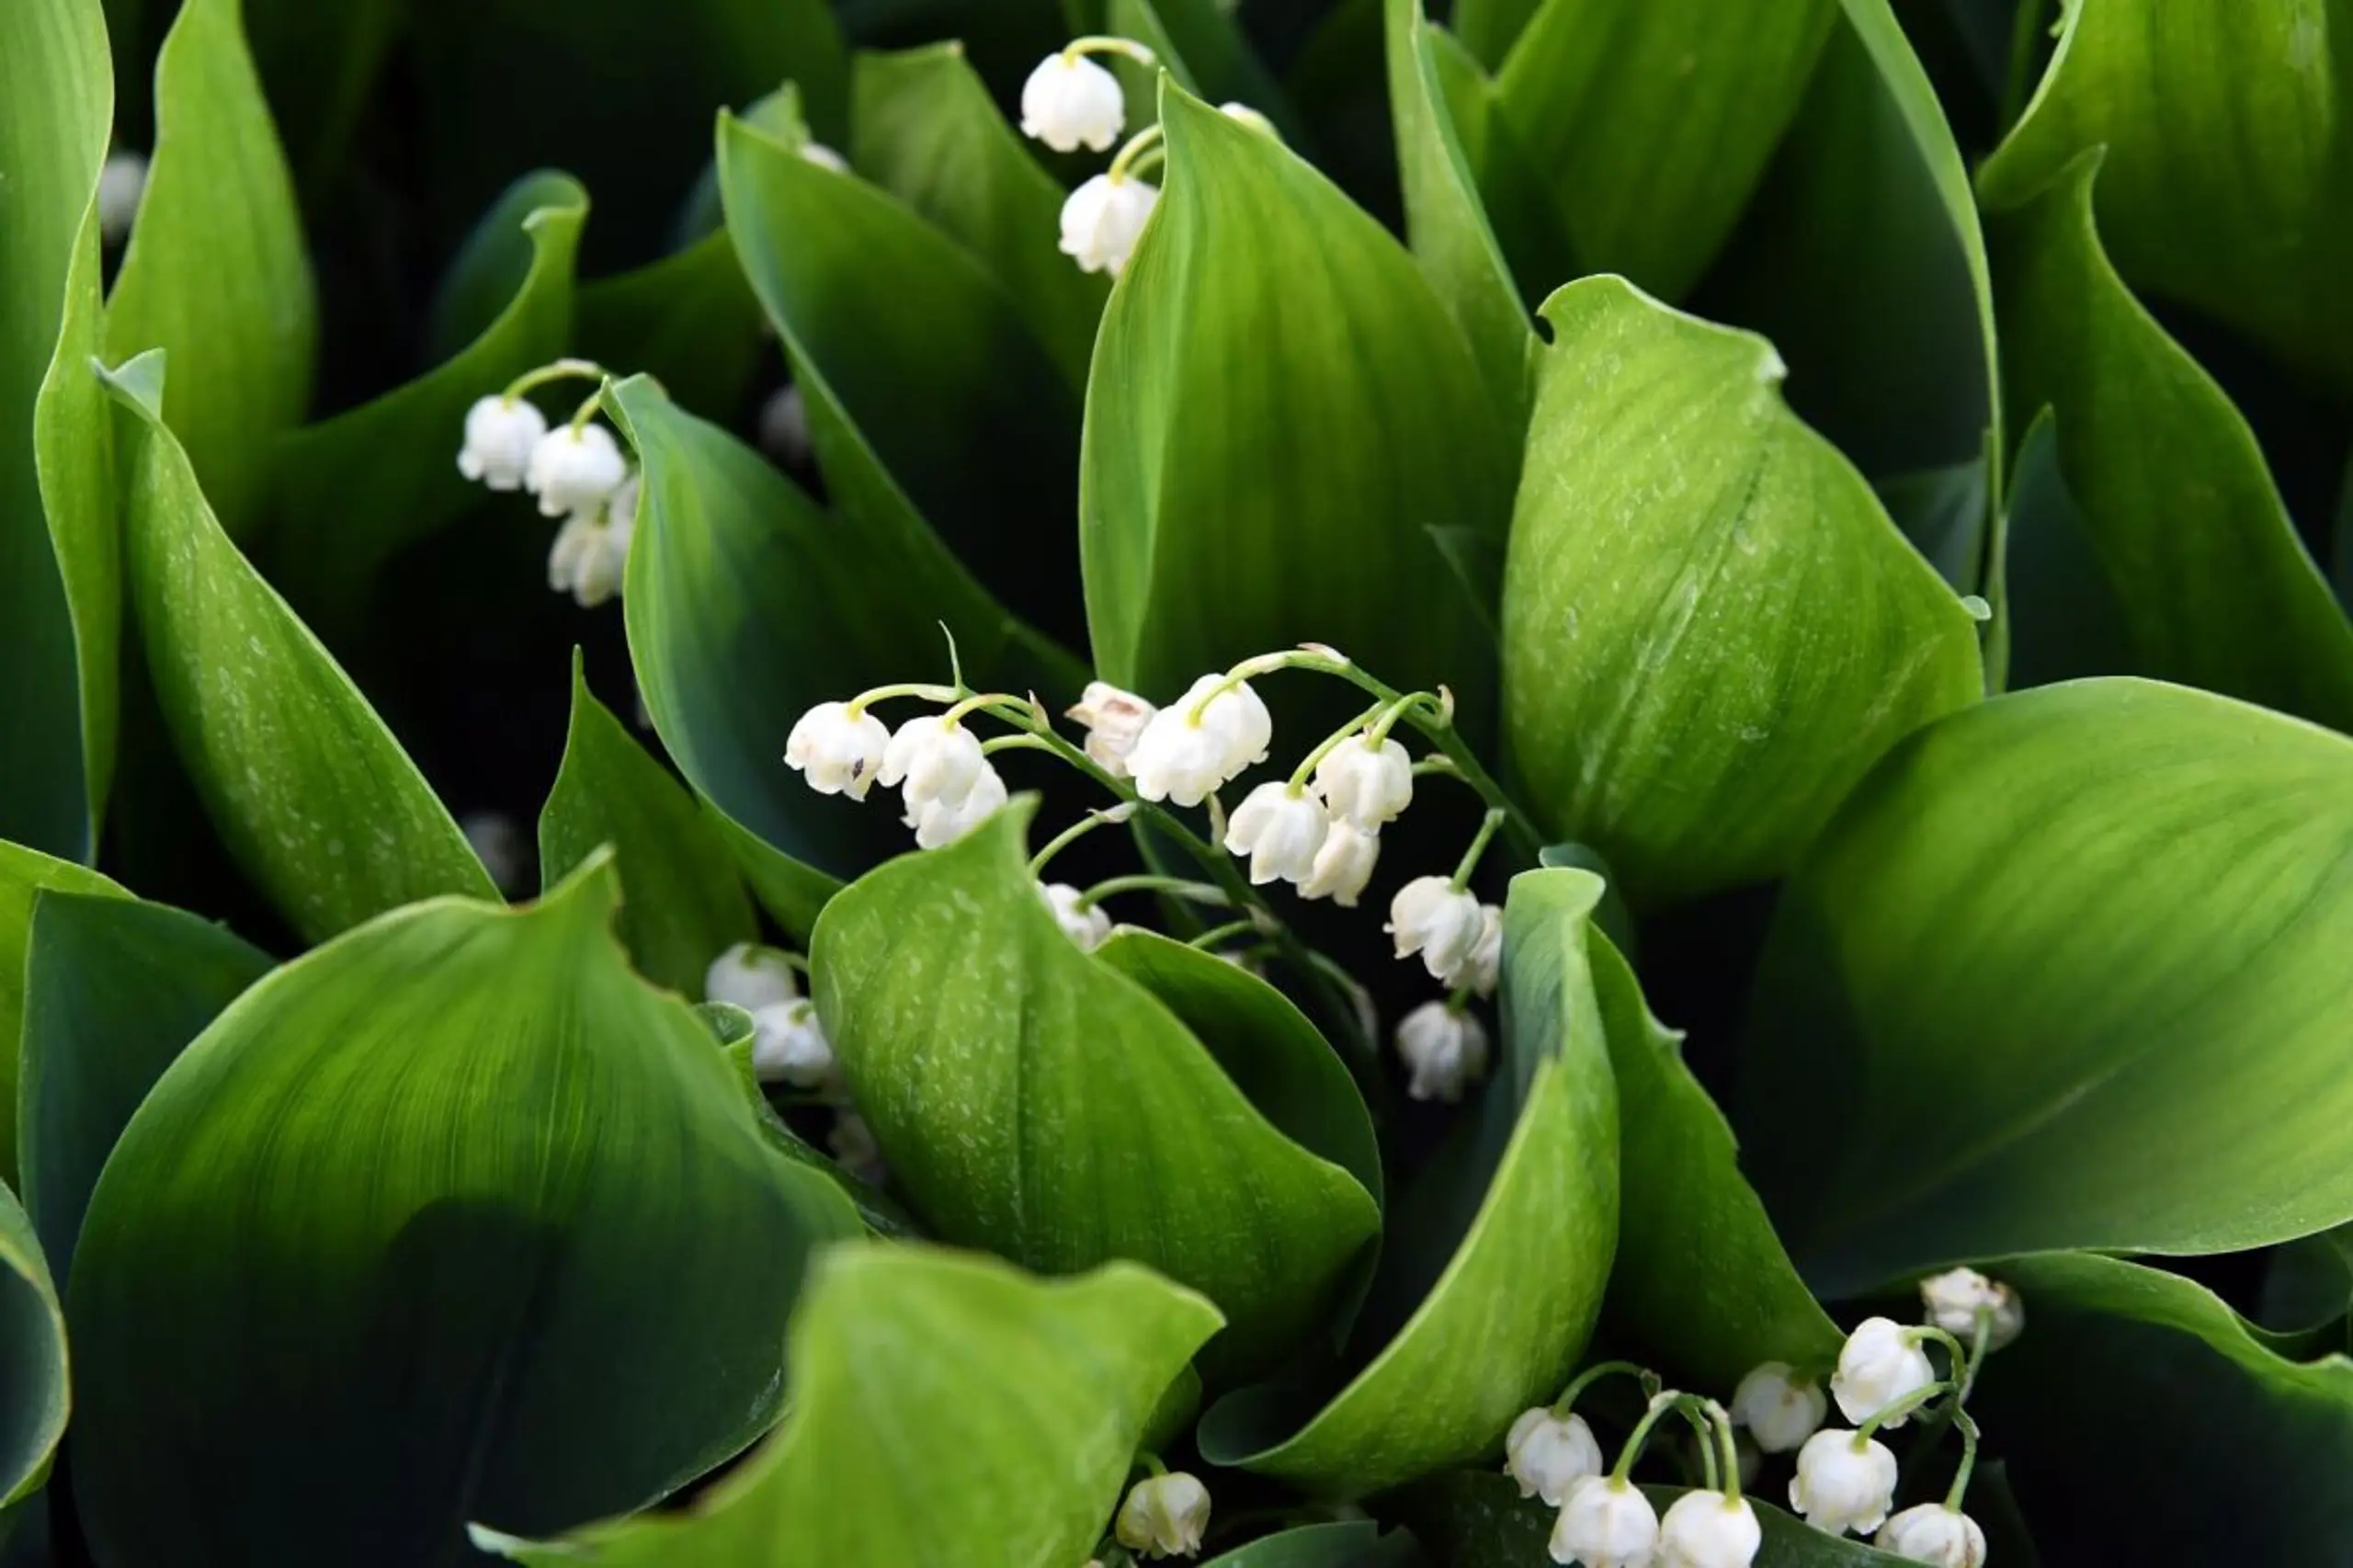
{"x": 24, "y": 875}
{"x": 32, "y": 1358}
{"x": 1220, "y": 65}
{"x": 684, "y": 900}
{"x": 319, "y": 64}
{"x": 2308, "y": 1287}
{"x": 1671, "y": 698}
{"x": 2064, "y": 972}
{"x": 309, "y": 791}
{"x": 938, "y": 1398}
{"x": 1946, "y": 513}
{"x": 453, "y": 1218}
{"x": 1356, "y": 1544}
{"x": 1036, "y": 1101}
{"x": 1488, "y": 28}
{"x": 113, "y": 991}
{"x": 216, "y": 275}
{"x": 689, "y": 321}
{"x": 2062, "y": 616}
{"x": 1478, "y": 1519}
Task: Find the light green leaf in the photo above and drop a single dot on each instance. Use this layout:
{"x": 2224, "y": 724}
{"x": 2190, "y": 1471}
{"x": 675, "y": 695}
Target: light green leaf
{"x": 216, "y": 274}
{"x": 309, "y": 791}
{"x": 1478, "y": 1519}
{"x": 2198, "y": 552}
{"x": 1036, "y": 1101}
{"x": 1358, "y": 1543}
{"x": 452, "y": 1219}
{"x": 1652, "y": 120}
{"x": 114, "y": 990}
{"x": 685, "y": 902}
{"x": 1493, "y": 1276}
{"x": 24, "y": 875}
{"x": 2064, "y": 972}
{"x": 355, "y": 490}
{"x": 928, "y": 132}
{"x": 32, "y": 1358}
{"x": 1711, "y": 627}
{"x": 689, "y": 321}
{"x": 1280, "y": 410}
{"x": 2088, "y": 1406}
{"x": 1488, "y": 28}
{"x": 938, "y": 1397}
{"x": 2226, "y": 187}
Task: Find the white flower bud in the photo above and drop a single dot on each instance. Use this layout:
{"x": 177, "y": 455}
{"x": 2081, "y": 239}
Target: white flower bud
{"x": 942, "y": 822}
{"x": 1777, "y": 1410}
{"x": 1113, "y": 719}
{"x": 1845, "y": 1482}
{"x": 501, "y": 434}
{"x": 1433, "y": 918}
{"x": 122, "y": 180}
{"x": 1104, "y": 218}
{"x": 788, "y": 1046}
{"x": 1444, "y": 1050}
{"x": 1090, "y": 927}
{"x": 837, "y": 753}
{"x": 575, "y": 471}
{"x": 1181, "y": 757}
{"x": 1249, "y": 117}
{"x": 751, "y": 976}
{"x": 1604, "y": 1523}
{"x": 936, "y": 758}
{"x": 824, "y": 157}
{"x": 1548, "y": 1453}
{"x": 1280, "y": 830}
{"x": 1164, "y": 1515}
{"x": 1881, "y": 1362}
{"x": 1709, "y": 1529}
{"x": 1343, "y": 864}
{"x": 1954, "y": 1297}
{"x": 1933, "y": 1533}
{"x": 1367, "y": 785}
{"x": 1069, "y": 102}
{"x": 1485, "y": 967}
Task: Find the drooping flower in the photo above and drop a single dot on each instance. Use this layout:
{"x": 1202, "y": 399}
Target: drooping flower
{"x": 1443, "y": 923}
{"x": 1777, "y": 1409}
{"x": 936, "y": 759}
{"x": 1090, "y": 927}
{"x": 1200, "y": 741}
{"x": 1069, "y": 102}
{"x": 1444, "y": 1050}
{"x": 587, "y": 560}
{"x": 788, "y": 1046}
{"x": 839, "y": 752}
{"x": 1164, "y": 1516}
{"x": 1103, "y": 218}
{"x": 501, "y": 434}
{"x": 1953, "y": 1299}
{"x": 1604, "y": 1523}
{"x": 1933, "y": 1533}
{"x": 1845, "y": 1482}
{"x": 1485, "y": 967}
{"x": 1547, "y": 1454}
{"x": 1364, "y": 784}
{"x": 575, "y": 469}
{"x": 750, "y": 976}
{"x": 1343, "y": 864}
{"x": 1113, "y": 719}
{"x": 1281, "y": 829}
{"x": 943, "y": 821}
{"x": 1709, "y": 1529}
{"x": 1881, "y": 1363}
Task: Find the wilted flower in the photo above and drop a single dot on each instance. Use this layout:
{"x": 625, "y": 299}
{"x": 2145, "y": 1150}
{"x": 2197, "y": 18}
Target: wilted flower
{"x": 1103, "y": 218}
{"x": 1954, "y": 1297}
{"x": 575, "y": 469}
{"x": 1709, "y": 1529}
{"x": 1090, "y": 927}
{"x": 1881, "y": 1363}
{"x": 1433, "y": 918}
{"x": 750, "y": 976}
{"x": 1164, "y": 1516}
{"x": 1780, "y": 1411}
{"x": 1444, "y": 1050}
{"x": 1933, "y": 1533}
{"x": 1845, "y": 1482}
{"x": 839, "y": 753}
{"x": 1069, "y": 102}
{"x": 1281, "y": 829}
{"x": 1547, "y": 1454}
{"x": 1343, "y": 864}
{"x": 1604, "y": 1523}
{"x": 1113, "y": 719}
{"x": 501, "y": 434}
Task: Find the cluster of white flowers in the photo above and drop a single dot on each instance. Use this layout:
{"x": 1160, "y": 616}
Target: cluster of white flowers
{"x": 1164, "y": 1516}
{"x": 1605, "y": 1521}
{"x": 579, "y": 473}
{"x": 934, "y": 760}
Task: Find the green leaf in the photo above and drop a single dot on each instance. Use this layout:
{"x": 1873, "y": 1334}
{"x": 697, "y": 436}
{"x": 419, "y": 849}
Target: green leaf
{"x": 1488, "y": 28}
{"x": 2225, "y": 186}
{"x": 309, "y": 791}
{"x": 689, "y": 321}
{"x": 2064, "y": 972}
{"x": 24, "y": 875}
{"x": 938, "y": 1398}
{"x": 1358, "y": 1543}
{"x": 355, "y": 490}
{"x": 32, "y": 1358}
{"x": 1280, "y": 411}
{"x": 1652, "y": 120}
{"x": 1219, "y": 62}
{"x": 114, "y": 990}
{"x": 59, "y": 608}
{"x": 928, "y": 132}
{"x": 216, "y": 274}
{"x": 930, "y": 399}
{"x": 1493, "y": 1276}
{"x": 1035, "y": 1101}
{"x": 2201, "y": 560}
{"x": 687, "y": 903}
{"x": 1700, "y": 1279}
{"x": 452, "y": 1219}
{"x": 2088, "y": 1407}
{"x": 1711, "y": 627}
{"x": 1478, "y": 1519}
{"x": 2062, "y": 616}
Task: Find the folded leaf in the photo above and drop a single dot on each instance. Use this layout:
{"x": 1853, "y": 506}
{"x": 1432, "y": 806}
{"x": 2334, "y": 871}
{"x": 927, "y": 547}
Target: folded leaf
{"x": 32, "y": 1357}
{"x": 24, "y": 875}
{"x": 689, "y": 321}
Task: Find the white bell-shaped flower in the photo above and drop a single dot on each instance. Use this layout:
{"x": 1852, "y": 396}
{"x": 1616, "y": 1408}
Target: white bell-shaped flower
{"x": 1364, "y": 784}
{"x": 1933, "y": 1533}
{"x": 1444, "y": 1050}
{"x": 1953, "y": 1299}
{"x": 937, "y": 760}
{"x": 1780, "y": 1411}
{"x": 750, "y": 976}
{"x": 824, "y": 157}
{"x": 1845, "y": 1482}
{"x": 1881, "y": 1362}
{"x": 788, "y": 1046}
{"x": 1547, "y": 1454}
{"x": 1443, "y": 923}
{"x": 1182, "y": 756}
{"x": 838, "y": 752}
{"x": 1089, "y": 927}
{"x": 1164, "y": 1516}
{"x": 1113, "y": 719}
{"x": 501, "y": 434}
{"x": 122, "y": 180}
{"x": 575, "y": 471}
{"x": 589, "y": 560}
{"x": 943, "y": 821}
{"x": 1281, "y": 829}
{"x": 1103, "y": 218}
{"x": 1343, "y": 864}
{"x": 1606, "y": 1523}
{"x": 1071, "y": 102}
{"x": 1709, "y": 1529}
{"x": 1485, "y": 967}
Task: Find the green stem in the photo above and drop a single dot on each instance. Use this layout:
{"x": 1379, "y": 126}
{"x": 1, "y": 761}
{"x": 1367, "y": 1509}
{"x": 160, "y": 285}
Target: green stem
{"x": 1976, "y": 1353}
{"x": 1329, "y": 744}
{"x": 1660, "y": 1405}
{"x": 1899, "y": 1409}
{"x": 1392, "y": 711}
{"x": 1964, "y": 1367}
{"x": 1470, "y": 861}
{"x": 1595, "y": 1373}
{"x": 858, "y": 705}
{"x": 1721, "y": 1420}
{"x": 1109, "y": 43}
{"x": 996, "y": 743}
{"x": 589, "y": 405}
{"x": 1143, "y": 144}
{"x": 1062, "y": 840}
{"x": 976, "y": 702}
{"x": 557, "y": 370}
{"x": 1149, "y": 881}
{"x": 1960, "y": 1488}
{"x": 1207, "y": 940}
